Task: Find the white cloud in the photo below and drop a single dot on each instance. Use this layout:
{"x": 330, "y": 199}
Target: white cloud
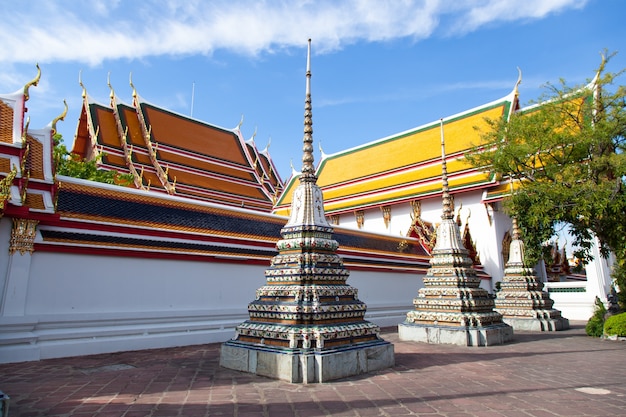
{"x": 97, "y": 31}
{"x": 491, "y": 11}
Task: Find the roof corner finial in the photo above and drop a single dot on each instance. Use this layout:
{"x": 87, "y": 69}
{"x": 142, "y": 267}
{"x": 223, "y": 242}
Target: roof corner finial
{"x": 34, "y": 82}
{"x": 80, "y": 82}
{"x": 447, "y": 203}
{"x": 112, "y": 93}
{"x": 59, "y": 117}
{"x": 240, "y": 123}
{"x": 308, "y": 170}
{"x": 596, "y": 78}
{"x": 518, "y": 82}
{"x": 267, "y": 147}
{"x": 130, "y": 81}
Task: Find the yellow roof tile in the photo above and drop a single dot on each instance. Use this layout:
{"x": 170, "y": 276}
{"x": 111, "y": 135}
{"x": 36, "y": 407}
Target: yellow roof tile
{"x": 403, "y": 166}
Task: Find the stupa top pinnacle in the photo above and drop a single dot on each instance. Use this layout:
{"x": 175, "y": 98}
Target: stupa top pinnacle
{"x": 308, "y": 170}
{"x": 447, "y": 200}
{"x": 307, "y": 207}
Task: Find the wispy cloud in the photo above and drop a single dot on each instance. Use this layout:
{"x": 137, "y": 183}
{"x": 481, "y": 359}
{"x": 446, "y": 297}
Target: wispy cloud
{"x": 92, "y": 32}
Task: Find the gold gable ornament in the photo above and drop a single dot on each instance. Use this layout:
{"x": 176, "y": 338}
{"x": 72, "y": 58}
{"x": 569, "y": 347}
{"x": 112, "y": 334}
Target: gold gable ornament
{"x": 5, "y": 189}
{"x": 23, "y": 236}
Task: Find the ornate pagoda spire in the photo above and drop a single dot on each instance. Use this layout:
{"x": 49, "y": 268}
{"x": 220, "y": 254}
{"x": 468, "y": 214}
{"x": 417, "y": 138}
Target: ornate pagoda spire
{"x": 306, "y": 310}
{"x": 308, "y": 170}
{"x": 307, "y": 208}
{"x": 521, "y": 299}
{"x": 452, "y": 308}
{"x": 447, "y": 200}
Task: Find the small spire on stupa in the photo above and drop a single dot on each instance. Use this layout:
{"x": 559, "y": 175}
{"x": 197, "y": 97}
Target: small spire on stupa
{"x": 516, "y": 231}
{"x": 308, "y": 170}
{"x": 447, "y": 200}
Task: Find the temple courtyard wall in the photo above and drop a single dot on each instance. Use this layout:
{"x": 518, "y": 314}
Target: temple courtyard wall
{"x": 68, "y": 304}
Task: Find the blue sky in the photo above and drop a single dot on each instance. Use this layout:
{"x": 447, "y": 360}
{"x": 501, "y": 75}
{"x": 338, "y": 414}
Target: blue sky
{"x": 379, "y": 67}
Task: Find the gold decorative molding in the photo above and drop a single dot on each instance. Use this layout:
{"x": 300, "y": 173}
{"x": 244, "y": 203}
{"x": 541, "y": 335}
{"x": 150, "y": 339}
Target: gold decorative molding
{"x": 334, "y": 219}
{"x": 423, "y": 230}
{"x": 5, "y": 189}
{"x": 402, "y": 246}
{"x": 506, "y": 247}
{"x": 23, "y": 236}
{"x": 386, "y": 215}
{"x": 416, "y": 209}
{"x": 360, "y": 218}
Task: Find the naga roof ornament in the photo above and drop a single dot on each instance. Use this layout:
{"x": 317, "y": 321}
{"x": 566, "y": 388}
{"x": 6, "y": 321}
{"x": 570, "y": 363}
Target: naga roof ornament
{"x": 33, "y": 82}
{"x": 59, "y": 117}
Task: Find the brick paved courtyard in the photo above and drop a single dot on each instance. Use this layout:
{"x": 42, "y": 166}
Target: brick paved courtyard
{"x": 539, "y": 374}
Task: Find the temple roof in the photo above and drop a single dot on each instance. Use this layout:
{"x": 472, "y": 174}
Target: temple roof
{"x": 405, "y": 166}
{"x": 169, "y": 152}
{"x": 26, "y": 173}
{"x": 81, "y": 216}
{"x": 105, "y": 219}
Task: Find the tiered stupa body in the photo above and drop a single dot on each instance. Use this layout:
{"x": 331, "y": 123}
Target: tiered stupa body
{"x": 521, "y": 299}
{"x": 452, "y": 308}
{"x": 306, "y": 324}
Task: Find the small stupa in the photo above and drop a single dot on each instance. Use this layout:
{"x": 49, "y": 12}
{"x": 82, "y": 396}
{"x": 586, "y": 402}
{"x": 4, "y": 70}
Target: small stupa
{"x": 521, "y": 299}
{"x": 306, "y": 324}
{"x": 452, "y": 308}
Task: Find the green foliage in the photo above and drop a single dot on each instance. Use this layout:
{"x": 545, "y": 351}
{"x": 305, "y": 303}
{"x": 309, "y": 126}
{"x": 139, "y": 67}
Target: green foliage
{"x": 595, "y": 325}
{"x": 69, "y": 165}
{"x": 568, "y": 152}
{"x": 619, "y": 277}
{"x": 615, "y": 325}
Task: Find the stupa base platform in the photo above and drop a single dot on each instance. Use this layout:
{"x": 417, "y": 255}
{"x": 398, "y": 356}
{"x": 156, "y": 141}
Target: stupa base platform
{"x": 536, "y": 324}
{"x": 307, "y": 366}
{"x": 496, "y": 334}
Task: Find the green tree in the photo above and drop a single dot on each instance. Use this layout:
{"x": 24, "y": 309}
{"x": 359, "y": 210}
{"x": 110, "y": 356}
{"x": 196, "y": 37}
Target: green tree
{"x": 567, "y": 151}
{"x": 68, "y": 164}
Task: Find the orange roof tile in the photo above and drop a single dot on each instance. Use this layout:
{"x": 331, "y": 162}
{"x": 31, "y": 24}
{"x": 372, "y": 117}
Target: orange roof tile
{"x": 189, "y": 157}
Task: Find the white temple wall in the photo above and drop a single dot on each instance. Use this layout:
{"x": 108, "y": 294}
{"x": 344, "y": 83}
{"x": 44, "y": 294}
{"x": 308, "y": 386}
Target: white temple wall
{"x": 487, "y": 226}
{"x": 5, "y": 236}
{"x": 76, "y": 304}
{"x": 388, "y": 296}
{"x": 97, "y": 284}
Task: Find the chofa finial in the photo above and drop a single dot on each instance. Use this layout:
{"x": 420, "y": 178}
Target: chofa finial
{"x": 34, "y": 82}
{"x": 59, "y": 117}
